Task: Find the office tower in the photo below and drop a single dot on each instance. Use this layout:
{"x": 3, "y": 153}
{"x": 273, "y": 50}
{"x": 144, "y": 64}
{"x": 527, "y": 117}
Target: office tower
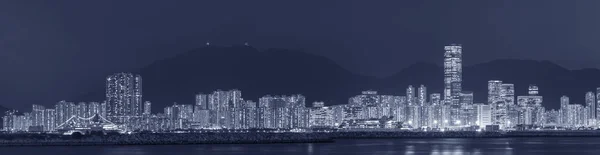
{"x": 435, "y": 98}
{"x": 453, "y": 80}
{"x": 37, "y": 115}
{"x": 410, "y": 95}
{"x": 467, "y": 113}
{"x": 422, "y": 95}
{"x": 201, "y": 102}
{"x": 147, "y": 108}
{"x": 484, "y": 115}
{"x": 497, "y": 104}
{"x": 564, "y": 111}
{"x": 124, "y": 95}
{"x": 466, "y": 98}
{"x": 452, "y": 71}
{"x": 590, "y": 101}
{"x": 507, "y": 93}
{"x": 494, "y": 88}
{"x": 531, "y": 110}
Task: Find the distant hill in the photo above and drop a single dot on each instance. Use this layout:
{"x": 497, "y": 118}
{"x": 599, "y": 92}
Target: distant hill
{"x": 279, "y": 71}
{"x": 255, "y": 73}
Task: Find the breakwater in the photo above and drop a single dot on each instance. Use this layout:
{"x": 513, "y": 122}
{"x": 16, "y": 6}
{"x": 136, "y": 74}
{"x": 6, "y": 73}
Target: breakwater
{"x": 260, "y": 138}
{"x": 163, "y": 139}
{"x": 462, "y": 134}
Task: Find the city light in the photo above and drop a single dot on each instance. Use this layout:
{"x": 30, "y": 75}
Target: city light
{"x": 124, "y": 110}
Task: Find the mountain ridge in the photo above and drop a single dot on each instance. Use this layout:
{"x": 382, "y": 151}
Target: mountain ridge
{"x": 281, "y": 71}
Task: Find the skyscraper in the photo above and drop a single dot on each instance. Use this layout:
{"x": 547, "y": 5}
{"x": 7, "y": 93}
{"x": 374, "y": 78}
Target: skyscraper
{"x": 201, "y": 102}
{"x": 147, "y": 108}
{"x": 124, "y": 95}
{"x": 494, "y": 89}
{"x": 435, "y": 98}
{"x": 507, "y": 93}
{"x": 484, "y": 115}
{"x": 466, "y": 98}
{"x": 501, "y": 109}
{"x": 422, "y": 96}
{"x": 453, "y": 80}
{"x": 37, "y": 115}
{"x": 452, "y": 72}
{"x": 49, "y": 120}
{"x": 590, "y": 101}
{"x": 531, "y": 107}
{"x": 598, "y": 102}
{"x": 94, "y": 108}
{"x": 564, "y": 111}
{"x": 137, "y": 106}
{"x": 410, "y": 95}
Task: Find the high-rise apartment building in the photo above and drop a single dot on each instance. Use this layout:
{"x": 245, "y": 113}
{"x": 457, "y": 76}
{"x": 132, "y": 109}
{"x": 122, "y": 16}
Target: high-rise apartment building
{"x": 590, "y": 102}
{"x": 422, "y": 96}
{"x": 124, "y": 95}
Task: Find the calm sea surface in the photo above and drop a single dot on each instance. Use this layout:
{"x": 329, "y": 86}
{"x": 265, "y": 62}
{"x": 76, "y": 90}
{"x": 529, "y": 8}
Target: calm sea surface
{"x": 529, "y": 146}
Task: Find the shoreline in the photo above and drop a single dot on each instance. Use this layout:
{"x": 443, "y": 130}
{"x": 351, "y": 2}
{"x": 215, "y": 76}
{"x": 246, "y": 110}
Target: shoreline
{"x": 29, "y": 140}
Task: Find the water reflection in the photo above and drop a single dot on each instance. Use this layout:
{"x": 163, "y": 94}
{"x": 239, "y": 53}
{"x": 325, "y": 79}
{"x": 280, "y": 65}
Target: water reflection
{"x": 545, "y": 146}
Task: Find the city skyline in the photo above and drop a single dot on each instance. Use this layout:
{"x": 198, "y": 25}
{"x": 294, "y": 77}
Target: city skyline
{"x": 125, "y": 110}
{"x": 65, "y": 55}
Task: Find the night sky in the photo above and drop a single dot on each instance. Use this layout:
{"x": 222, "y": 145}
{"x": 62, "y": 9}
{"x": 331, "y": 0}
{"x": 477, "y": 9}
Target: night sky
{"x": 52, "y": 50}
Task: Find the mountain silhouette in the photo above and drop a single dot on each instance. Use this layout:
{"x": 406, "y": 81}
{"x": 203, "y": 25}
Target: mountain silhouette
{"x": 282, "y": 72}
{"x": 256, "y": 73}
